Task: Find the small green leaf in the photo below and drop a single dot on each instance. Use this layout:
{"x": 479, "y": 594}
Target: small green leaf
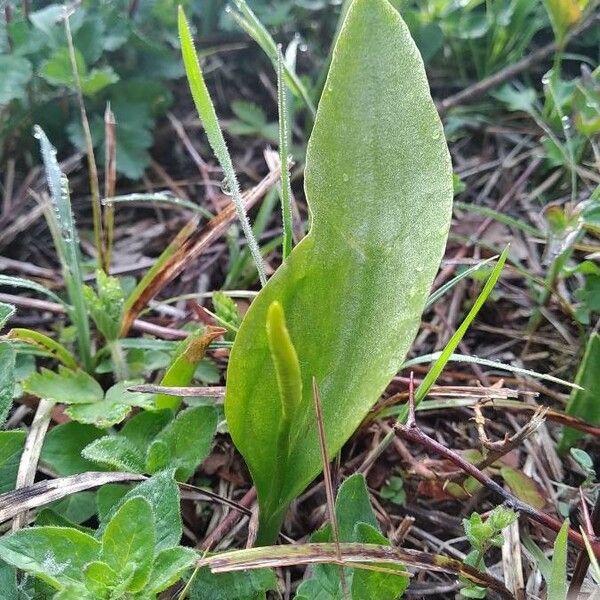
{"x": 183, "y": 366}
{"x": 244, "y": 585}
{"x": 169, "y": 565}
{"x": 128, "y": 542}
{"x": 557, "y": 584}
{"x": 208, "y": 116}
{"x": 106, "y": 304}
{"x": 116, "y": 453}
{"x": 99, "y": 578}
{"x": 97, "y": 79}
{"x": 16, "y": 74}
{"x": 66, "y": 386}
{"x": 188, "y": 439}
{"x": 353, "y": 506}
{"x": 162, "y": 493}
{"x": 11, "y": 448}
{"x": 100, "y": 414}
{"x": 584, "y": 403}
{"x": 63, "y": 445}
{"x": 7, "y": 378}
{"x": 57, "y": 69}
{"x": 370, "y": 584}
{"x": 523, "y": 487}
{"x": 6, "y": 312}
{"x": 57, "y": 555}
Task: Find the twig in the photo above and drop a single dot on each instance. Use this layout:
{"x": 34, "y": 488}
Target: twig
{"x": 31, "y": 454}
{"x": 229, "y": 522}
{"x": 186, "y": 392}
{"x": 583, "y": 560}
{"x": 335, "y": 533}
{"x": 416, "y": 435}
{"x": 477, "y": 90}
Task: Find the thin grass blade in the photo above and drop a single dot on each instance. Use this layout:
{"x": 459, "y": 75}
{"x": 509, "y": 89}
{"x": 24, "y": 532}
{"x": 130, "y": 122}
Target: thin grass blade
{"x": 208, "y": 116}
{"x": 67, "y": 244}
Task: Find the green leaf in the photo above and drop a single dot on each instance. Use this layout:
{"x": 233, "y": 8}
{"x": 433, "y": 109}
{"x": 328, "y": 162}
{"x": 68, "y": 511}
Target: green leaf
{"x": 11, "y": 448}
{"x": 523, "y": 487}
{"x": 116, "y": 453}
{"x": 100, "y": 414}
{"x": 169, "y": 566}
{"x": 56, "y": 555}
{"x": 141, "y": 429}
{"x": 557, "y": 584}
{"x": 8, "y": 581}
{"x": 39, "y": 340}
{"x": 57, "y": 69}
{"x": 100, "y": 578}
{"x": 63, "y": 445}
{"x": 66, "y": 386}
{"x": 249, "y": 112}
{"x": 208, "y": 116}
{"x": 379, "y": 184}
{"x": 128, "y": 542}
{"x": 27, "y": 284}
{"x": 7, "y": 378}
{"x": 352, "y": 506}
{"x": 584, "y": 403}
{"x": 97, "y": 79}
{"x": 162, "y": 493}
{"x": 183, "y": 366}
{"x": 6, "y": 312}
{"x": 370, "y": 584}
{"x": 563, "y": 15}
{"x": 243, "y": 585}
{"x": 187, "y": 439}
{"x": 16, "y": 74}
{"x": 106, "y": 304}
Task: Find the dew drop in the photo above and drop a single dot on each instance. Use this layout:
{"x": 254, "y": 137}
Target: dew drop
{"x": 225, "y": 188}
{"x": 546, "y": 78}
{"x": 566, "y": 122}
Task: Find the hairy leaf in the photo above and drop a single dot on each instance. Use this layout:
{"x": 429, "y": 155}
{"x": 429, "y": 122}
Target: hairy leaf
{"x": 168, "y": 567}
{"x": 56, "y": 555}
{"x": 585, "y": 403}
{"x": 128, "y": 542}
{"x": 7, "y": 378}
{"x": 379, "y": 184}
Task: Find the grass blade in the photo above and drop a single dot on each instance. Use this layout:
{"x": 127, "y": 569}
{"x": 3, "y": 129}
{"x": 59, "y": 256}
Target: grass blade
{"x": 208, "y": 116}
{"x": 446, "y": 353}
{"x": 487, "y": 363}
{"x": 67, "y": 241}
{"x": 284, "y": 185}
{"x": 250, "y": 23}
{"x": 450, "y": 284}
{"x": 39, "y": 340}
{"x": 28, "y": 284}
{"x": 557, "y": 584}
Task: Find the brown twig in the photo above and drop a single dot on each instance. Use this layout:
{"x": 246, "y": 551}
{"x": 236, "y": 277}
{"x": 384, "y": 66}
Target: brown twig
{"x": 335, "y": 532}
{"x": 416, "y": 435}
{"x": 229, "y": 522}
{"x": 583, "y": 559}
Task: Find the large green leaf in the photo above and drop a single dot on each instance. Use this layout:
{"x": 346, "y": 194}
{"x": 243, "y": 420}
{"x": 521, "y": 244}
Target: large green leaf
{"x": 379, "y": 184}
{"x": 7, "y": 378}
{"x": 585, "y": 403}
{"x": 56, "y": 555}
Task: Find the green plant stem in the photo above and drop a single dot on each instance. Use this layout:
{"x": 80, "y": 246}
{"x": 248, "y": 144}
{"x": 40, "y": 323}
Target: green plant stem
{"x": 284, "y": 185}
{"x": 89, "y": 149}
